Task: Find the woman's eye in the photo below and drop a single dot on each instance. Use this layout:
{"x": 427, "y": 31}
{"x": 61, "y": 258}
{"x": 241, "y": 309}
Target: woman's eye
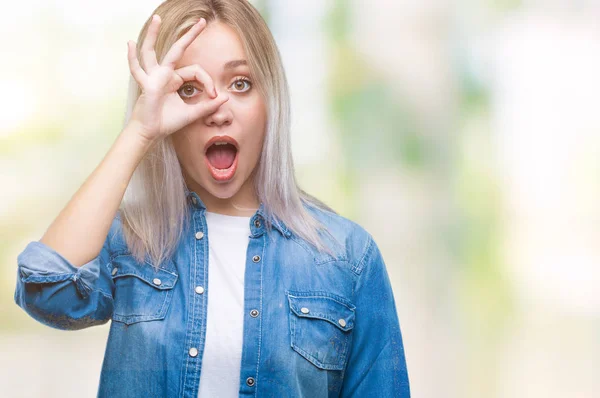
{"x": 240, "y": 83}
{"x": 187, "y": 91}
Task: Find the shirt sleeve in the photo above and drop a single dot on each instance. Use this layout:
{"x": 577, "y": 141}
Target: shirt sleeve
{"x": 376, "y": 363}
{"x": 58, "y": 294}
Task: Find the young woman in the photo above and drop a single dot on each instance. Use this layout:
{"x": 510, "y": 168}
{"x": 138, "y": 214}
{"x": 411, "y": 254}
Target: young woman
{"x": 221, "y": 277}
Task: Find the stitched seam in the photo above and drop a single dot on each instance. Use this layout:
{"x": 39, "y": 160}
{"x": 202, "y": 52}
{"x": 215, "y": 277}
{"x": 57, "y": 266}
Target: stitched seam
{"x": 261, "y": 311}
{"x": 109, "y": 296}
{"x": 331, "y": 260}
{"x": 183, "y": 377}
{"x": 320, "y": 297}
{"x": 361, "y": 263}
{"x": 128, "y": 254}
{"x": 298, "y": 294}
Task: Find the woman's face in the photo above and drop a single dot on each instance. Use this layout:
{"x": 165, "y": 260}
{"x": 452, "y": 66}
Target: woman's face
{"x": 242, "y": 118}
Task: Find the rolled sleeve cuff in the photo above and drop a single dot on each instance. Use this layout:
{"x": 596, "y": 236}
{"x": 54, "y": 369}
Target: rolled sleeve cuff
{"x": 39, "y": 263}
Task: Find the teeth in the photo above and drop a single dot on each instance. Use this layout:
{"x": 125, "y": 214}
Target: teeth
{"x": 221, "y": 143}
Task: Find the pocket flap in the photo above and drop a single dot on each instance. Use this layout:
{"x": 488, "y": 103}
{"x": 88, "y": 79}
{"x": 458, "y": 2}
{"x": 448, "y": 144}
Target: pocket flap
{"x": 127, "y": 265}
{"x": 326, "y": 306}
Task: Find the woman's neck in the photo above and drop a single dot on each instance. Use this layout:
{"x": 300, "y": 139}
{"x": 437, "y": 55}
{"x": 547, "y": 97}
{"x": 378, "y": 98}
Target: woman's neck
{"x": 242, "y": 203}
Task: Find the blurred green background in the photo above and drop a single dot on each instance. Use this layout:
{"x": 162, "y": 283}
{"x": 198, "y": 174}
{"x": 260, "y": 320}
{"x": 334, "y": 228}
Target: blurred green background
{"x": 463, "y": 135}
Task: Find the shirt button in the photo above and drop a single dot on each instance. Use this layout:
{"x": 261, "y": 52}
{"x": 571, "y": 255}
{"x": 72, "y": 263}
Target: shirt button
{"x": 256, "y": 259}
{"x": 257, "y": 223}
{"x": 250, "y": 381}
{"x": 156, "y": 281}
{"x": 194, "y": 200}
{"x": 114, "y": 271}
{"x": 254, "y": 313}
{"x": 342, "y": 323}
{"x": 304, "y": 310}
{"x": 199, "y": 235}
{"x": 199, "y": 289}
{"x": 193, "y": 351}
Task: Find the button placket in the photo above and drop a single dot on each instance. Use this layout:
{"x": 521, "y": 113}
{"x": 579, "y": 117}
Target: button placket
{"x": 198, "y": 289}
{"x": 254, "y": 322}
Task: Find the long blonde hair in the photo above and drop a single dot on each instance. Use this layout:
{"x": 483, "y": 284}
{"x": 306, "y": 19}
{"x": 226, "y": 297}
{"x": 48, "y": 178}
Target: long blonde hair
{"x": 154, "y": 208}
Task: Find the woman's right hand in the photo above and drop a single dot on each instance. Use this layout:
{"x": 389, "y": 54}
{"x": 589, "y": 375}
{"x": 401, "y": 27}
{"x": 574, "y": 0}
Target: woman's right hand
{"x": 160, "y": 110}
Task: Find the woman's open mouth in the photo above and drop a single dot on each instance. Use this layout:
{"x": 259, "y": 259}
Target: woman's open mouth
{"x": 221, "y": 158}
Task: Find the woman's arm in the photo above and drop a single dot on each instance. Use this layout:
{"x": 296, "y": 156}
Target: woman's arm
{"x": 80, "y": 229}
{"x": 376, "y": 364}
{"x": 63, "y": 280}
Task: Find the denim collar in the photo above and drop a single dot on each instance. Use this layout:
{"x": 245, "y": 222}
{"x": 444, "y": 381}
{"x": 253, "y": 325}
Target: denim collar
{"x": 275, "y": 222}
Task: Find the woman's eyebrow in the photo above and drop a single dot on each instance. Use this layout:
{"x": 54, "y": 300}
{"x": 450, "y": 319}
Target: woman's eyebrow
{"x": 234, "y": 64}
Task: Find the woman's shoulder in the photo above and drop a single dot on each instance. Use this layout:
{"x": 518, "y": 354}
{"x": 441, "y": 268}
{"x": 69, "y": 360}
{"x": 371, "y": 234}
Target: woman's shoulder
{"x": 115, "y": 240}
{"x": 354, "y": 238}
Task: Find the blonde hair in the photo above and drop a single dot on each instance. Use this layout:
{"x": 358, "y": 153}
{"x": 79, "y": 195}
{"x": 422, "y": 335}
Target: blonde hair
{"x": 154, "y": 208}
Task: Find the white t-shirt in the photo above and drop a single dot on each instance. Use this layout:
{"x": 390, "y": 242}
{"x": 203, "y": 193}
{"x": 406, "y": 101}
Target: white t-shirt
{"x": 221, "y": 360}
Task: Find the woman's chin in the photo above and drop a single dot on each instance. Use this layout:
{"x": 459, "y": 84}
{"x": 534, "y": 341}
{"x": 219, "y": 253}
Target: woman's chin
{"x": 222, "y": 189}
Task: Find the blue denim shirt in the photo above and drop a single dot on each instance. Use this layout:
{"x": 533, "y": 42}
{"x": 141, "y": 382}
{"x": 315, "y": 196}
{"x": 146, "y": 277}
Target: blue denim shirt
{"x": 314, "y": 325}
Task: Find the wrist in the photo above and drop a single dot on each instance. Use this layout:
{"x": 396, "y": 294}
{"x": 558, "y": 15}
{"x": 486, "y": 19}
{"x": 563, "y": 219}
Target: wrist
{"x": 136, "y": 131}
{"x": 135, "y": 138}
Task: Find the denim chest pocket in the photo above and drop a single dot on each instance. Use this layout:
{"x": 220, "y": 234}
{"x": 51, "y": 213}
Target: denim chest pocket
{"x": 321, "y": 327}
{"x": 141, "y": 293}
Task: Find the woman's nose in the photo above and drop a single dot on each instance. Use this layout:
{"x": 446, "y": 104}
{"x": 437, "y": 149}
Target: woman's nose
{"x": 222, "y": 116}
